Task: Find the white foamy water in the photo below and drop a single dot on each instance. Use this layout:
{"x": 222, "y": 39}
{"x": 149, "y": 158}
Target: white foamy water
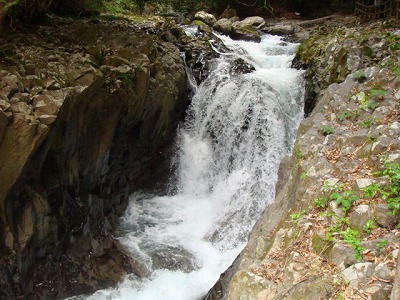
{"x": 237, "y": 130}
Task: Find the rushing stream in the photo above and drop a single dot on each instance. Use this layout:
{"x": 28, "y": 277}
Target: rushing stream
{"x": 238, "y": 128}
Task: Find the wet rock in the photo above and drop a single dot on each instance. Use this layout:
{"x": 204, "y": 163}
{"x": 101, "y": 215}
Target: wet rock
{"x": 205, "y": 17}
{"x": 253, "y": 21}
{"x": 245, "y": 32}
{"x": 173, "y": 258}
{"x": 241, "y": 67}
{"x": 278, "y": 29}
{"x": 224, "y": 26}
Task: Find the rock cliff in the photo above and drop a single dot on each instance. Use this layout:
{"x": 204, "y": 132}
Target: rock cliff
{"x": 331, "y": 232}
{"x": 87, "y": 112}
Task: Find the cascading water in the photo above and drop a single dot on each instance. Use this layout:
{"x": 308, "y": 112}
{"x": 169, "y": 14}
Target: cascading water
{"x": 238, "y": 128}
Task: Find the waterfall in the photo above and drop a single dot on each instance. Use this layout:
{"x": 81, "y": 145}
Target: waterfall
{"x": 238, "y": 128}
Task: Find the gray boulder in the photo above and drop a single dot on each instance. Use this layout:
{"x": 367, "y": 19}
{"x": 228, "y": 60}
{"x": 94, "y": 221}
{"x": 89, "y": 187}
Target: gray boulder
{"x": 223, "y": 25}
{"x": 278, "y": 29}
{"x": 241, "y": 31}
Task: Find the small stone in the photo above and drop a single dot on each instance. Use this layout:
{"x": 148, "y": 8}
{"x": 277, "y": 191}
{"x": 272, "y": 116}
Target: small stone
{"x": 342, "y": 256}
{"x": 360, "y": 216}
{"x": 395, "y": 253}
{"x": 379, "y": 291}
{"x": 358, "y": 273}
{"x": 382, "y": 272}
{"x": 47, "y": 119}
{"x": 4, "y": 105}
{"x": 334, "y": 207}
{"x": 382, "y": 217}
{"x": 363, "y": 182}
{"x": 397, "y": 95}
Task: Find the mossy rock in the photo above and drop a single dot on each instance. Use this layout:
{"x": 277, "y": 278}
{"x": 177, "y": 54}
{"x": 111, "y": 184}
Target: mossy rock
{"x": 202, "y": 26}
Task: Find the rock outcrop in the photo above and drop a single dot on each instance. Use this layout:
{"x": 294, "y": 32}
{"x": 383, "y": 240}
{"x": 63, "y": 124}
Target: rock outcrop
{"x": 331, "y": 232}
{"x": 87, "y": 111}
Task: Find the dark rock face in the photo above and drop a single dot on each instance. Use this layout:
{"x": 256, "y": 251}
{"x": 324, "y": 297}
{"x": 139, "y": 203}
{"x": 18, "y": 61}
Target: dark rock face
{"x": 86, "y": 111}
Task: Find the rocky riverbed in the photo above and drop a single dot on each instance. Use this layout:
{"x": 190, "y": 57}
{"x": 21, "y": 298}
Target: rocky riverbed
{"x": 88, "y": 110}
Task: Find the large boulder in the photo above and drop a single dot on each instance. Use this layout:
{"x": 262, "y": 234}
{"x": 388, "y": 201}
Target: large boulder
{"x": 205, "y": 17}
{"x": 253, "y": 21}
{"x": 223, "y": 25}
{"x": 278, "y": 29}
{"x": 242, "y": 31}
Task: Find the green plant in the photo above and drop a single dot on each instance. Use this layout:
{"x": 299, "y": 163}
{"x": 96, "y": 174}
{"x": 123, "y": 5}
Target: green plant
{"x": 126, "y": 78}
{"x": 371, "y": 191}
{"x": 329, "y": 237}
{"x": 296, "y": 216}
{"x": 326, "y": 130}
{"x": 298, "y": 152}
{"x": 328, "y": 187}
{"x": 367, "y": 122}
{"x": 378, "y": 93}
{"x": 344, "y": 199}
{"x": 350, "y": 236}
{"x": 360, "y": 75}
{"x": 303, "y": 175}
{"x": 393, "y": 41}
{"x": 368, "y": 226}
{"x": 348, "y": 115}
{"x": 380, "y": 245}
{"x": 394, "y": 66}
{"x": 321, "y": 202}
{"x": 391, "y": 192}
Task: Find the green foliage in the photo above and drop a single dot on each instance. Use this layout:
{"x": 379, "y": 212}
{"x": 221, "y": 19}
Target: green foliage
{"x": 120, "y": 6}
{"x": 298, "y": 152}
{"x": 348, "y": 115}
{"x": 365, "y": 100}
{"x": 394, "y": 66}
{"x": 360, "y": 75}
{"x": 367, "y": 122}
{"x": 326, "y": 130}
{"x": 344, "y": 199}
{"x": 393, "y": 41}
{"x": 371, "y": 190}
{"x": 378, "y": 93}
{"x": 368, "y": 226}
{"x": 350, "y": 236}
{"x": 126, "y": 78}
{"x": 321, "y": 202}
{"x": 391, "y": 192}
{"x": 296, "y": 216}
{"x": 327, "y": 187}
{"x": 9, "y": 4}
{"x": 380, "y": 245}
